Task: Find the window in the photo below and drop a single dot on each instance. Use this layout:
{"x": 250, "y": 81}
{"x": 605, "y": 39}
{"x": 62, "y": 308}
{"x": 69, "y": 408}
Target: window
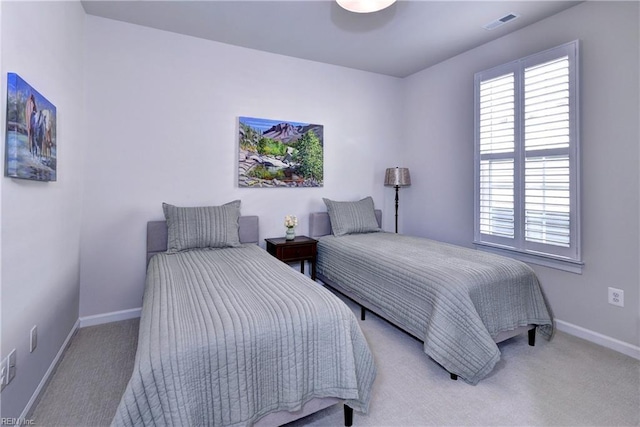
{"x": 526, "y": 157}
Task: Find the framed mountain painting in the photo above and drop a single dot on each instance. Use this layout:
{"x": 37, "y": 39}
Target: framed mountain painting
{"x": 279, "y": 153}
{"x": 31, "y": 149}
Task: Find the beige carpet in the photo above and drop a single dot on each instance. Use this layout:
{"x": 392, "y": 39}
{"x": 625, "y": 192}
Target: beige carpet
{"x": 563, "y": 382}
{"x": 86, "y": 387}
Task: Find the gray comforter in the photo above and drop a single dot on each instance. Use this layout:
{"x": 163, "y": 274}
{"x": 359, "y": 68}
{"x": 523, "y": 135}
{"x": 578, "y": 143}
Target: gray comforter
{"x": 229, "y": 335}
{"x": 454, "y": 299}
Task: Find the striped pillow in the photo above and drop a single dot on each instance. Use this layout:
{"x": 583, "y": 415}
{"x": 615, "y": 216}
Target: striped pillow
{"x": 352, "y": 217}
{"x": 202, "y": 227}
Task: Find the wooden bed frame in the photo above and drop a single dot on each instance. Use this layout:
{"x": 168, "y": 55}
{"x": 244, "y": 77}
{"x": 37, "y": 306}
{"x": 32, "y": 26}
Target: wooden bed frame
{"x": 249, "y": 233}
{"x": 320, "y": 225}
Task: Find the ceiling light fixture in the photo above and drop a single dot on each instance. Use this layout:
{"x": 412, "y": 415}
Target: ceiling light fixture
{"x": 365, "y": 6}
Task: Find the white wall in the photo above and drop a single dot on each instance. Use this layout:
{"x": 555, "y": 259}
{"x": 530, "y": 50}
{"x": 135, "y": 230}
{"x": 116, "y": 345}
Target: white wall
{"x": 439, "y": 147}
{"x": 43, "y": 43}
{"x": 162, "y": 115}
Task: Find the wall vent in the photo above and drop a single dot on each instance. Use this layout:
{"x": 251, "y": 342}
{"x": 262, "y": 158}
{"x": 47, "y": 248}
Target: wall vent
{"x": 500, "y": 21}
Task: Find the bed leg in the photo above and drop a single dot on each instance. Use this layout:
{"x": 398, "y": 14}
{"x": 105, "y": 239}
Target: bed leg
{"x": 362, "y": 312}
{"x": 348, "y": 416}
{"x": 453, "y": 376}
{"x": 532, "y": 336}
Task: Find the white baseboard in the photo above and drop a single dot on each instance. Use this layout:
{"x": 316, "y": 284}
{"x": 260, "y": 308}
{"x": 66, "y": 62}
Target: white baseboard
{"x": 115, "y": 316}
{"x": 595, "y": 337}
{"x": 47, "y": 374}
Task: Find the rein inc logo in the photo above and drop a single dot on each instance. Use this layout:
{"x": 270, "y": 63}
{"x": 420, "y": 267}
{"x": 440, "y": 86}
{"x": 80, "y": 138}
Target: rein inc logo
{"x": 16, "y": 422}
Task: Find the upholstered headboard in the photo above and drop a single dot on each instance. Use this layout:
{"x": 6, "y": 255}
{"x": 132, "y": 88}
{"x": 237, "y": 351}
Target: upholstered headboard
{"x": 157, "y": 234}
{"x": 320, "y": 225}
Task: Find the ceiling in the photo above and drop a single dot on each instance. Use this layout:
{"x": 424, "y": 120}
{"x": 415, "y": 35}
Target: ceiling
{"x": 398, "y": 41}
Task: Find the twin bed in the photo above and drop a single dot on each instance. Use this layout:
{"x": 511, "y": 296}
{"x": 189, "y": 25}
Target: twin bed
{"x": 460, "y": 302}
{"x": 231, "y": 336}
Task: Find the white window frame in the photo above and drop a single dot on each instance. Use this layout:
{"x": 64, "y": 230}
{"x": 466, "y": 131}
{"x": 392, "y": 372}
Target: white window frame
{"x": 564, "y": 258}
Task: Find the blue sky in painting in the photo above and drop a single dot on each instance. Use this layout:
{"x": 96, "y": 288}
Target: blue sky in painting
{"x": 16, "y": 84}
{"x": 264, "y": 124}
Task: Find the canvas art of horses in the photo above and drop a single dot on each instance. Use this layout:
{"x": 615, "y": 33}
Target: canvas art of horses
{"x": 31, "y": 133}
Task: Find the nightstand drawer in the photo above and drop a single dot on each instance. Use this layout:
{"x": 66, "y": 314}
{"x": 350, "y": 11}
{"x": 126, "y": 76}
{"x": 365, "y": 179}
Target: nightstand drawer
{"x": 301, "y": 248}
{"x": 300, "y": 251}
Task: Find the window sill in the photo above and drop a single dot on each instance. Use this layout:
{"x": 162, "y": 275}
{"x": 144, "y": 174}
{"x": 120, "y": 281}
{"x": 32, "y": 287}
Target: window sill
{"x": 547, "y": 261}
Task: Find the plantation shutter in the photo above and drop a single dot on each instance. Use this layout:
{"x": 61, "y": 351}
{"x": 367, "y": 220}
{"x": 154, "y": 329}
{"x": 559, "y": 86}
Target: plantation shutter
{"x": 546, "y": 142}
{"x": 526, "y": 145}
{"x": 497, "y": 133}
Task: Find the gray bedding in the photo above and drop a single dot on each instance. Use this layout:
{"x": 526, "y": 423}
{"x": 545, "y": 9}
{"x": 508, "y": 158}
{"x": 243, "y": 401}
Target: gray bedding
{"x": 454, "y": 299}
{"x": 229, "y": 335}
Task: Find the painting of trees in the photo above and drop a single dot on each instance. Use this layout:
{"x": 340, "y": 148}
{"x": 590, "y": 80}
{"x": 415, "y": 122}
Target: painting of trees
{"x": 277, "y": 153}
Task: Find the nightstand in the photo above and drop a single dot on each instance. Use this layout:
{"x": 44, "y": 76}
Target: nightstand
{"x": 302, "y": 249}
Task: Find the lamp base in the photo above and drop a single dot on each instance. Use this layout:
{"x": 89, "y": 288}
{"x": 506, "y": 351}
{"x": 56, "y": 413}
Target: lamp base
{"x": 397, "y": 200}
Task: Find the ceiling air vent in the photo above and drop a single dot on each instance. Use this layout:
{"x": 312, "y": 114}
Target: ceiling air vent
{"x": 501, "y": 21}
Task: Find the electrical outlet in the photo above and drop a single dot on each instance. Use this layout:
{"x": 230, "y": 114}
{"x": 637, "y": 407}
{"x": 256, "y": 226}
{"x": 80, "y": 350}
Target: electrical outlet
{"x": 3, "y": 373}
{"x": 8, "y": 368}
{"x": 616, "y": 297}
{"x": 11, "y": 366}
{"x": 33, "y": 339}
